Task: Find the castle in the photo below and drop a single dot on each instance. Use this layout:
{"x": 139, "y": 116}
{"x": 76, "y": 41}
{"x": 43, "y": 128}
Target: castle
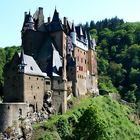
{"x": 55, "y": 56}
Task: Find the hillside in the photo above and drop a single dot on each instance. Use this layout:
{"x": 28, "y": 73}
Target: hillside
{"x": 100, "y": 118}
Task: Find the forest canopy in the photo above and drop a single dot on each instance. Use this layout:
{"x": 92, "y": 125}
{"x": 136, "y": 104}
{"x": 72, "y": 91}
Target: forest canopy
{"x": 118, "y": 55}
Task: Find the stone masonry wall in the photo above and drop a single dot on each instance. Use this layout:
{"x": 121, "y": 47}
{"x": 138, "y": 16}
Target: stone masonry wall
{"x": 34, "y": 91}
{"x": 59, "y": 96}
{"x": 10, "y": 113}
{"x": 13, "y": 82}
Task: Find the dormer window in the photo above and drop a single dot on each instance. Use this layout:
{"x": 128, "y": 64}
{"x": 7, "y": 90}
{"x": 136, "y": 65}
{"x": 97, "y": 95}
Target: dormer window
{"x": 31, "y": 68}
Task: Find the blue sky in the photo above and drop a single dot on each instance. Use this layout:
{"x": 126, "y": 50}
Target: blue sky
{"x": 79, "y": 11}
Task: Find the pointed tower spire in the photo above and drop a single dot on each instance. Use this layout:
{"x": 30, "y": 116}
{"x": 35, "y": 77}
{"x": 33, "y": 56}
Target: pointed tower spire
{"x": 55, "y": 15}
{"x": 22, "y": 63}
{"x": 73, "y": 28}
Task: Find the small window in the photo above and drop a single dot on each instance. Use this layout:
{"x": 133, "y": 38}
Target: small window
{"x": 29, "y": 77}
{"x": 47, "y": 83}
{"x": 85, "y": 61}
{"x": 8, "y": 107}
{"x": 78, "y": 58}
{"x": 36, "y": 78}
{"x": 31, "y": 87}
{"x": 37, "y": 87}
{"x": 34, "y": 97}
{"x": 20, "y": 111}
{"x": 31, "y": 68}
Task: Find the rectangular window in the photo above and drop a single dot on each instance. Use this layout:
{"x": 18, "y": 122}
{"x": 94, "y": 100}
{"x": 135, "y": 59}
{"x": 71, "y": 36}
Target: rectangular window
{"x": 81, "y": 68}
{"x": 47, "y": 83}
{"x": 78, "y": 58}
{"x": 81, "y": 60}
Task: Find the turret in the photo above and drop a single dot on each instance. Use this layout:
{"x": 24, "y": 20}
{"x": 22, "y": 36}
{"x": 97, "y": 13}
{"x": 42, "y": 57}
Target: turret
{"x": 28, "y": 22}
{"x": 73, "y": 34}
{"x": 22, "y": 63}
{"x": 86, "y": 38}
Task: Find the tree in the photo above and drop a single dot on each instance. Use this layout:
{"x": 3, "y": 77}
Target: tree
{"x": 134, "y": 76}
{"x": 91, "y": 125}
{"x": 92, "y": 24}
{"x": 117, "y": 73}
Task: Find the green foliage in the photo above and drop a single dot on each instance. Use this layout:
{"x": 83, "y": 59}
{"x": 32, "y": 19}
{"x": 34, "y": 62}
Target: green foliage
{"x": 91, "y": 125}
{"x": 118, "y": 56}
{"x": 63, "y": 127}
{"x": 106, "y": 84}
{"x": 100, "y": 118}
{"x": 6, "y": 55}
{"x": 117, "y": 73}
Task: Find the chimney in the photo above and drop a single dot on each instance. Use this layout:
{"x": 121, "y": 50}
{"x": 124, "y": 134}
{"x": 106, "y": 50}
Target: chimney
{"x": 49, "y": 19}
{"x": 40, "y": 10}
{"x": 40, "y": 16}
{"x": 65, "y": 21}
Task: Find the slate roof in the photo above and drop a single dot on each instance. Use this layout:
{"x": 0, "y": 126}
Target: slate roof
{"x": 55, "y": 24}
{"x": 31, "y": 66}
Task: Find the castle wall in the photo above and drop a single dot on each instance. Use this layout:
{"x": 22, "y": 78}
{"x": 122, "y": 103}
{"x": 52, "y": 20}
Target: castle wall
{"x": 92, "y": 84}
{"x": 60, "y": 39}
{"x": 13, "y": 88}
{"x": 34, "y": 91}
{"x": 10, "y": 113}
{"x": 81, "y": 70}
{"x": 13, "y": 83}
{"x": 92, "y": 65}
{"x": 59, "y": 96}
{"x": 47, "y": 84}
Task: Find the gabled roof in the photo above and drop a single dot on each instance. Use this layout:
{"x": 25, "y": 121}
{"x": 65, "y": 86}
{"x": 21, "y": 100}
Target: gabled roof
{"x": 31, "y": 66}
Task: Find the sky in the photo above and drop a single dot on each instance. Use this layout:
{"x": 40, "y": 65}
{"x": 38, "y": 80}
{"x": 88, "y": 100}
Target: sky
{"x": 79, "y": 11}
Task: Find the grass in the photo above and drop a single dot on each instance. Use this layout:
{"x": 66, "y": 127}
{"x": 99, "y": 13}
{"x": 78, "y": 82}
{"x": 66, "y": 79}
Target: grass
{"x": 119, "y": 126}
